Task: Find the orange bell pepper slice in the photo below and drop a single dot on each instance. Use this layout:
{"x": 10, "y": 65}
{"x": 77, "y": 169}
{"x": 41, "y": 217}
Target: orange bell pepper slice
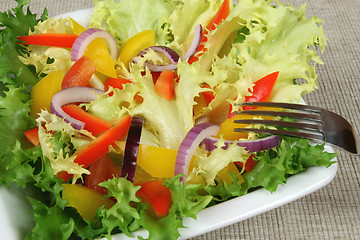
{"x": 165, "y": 84}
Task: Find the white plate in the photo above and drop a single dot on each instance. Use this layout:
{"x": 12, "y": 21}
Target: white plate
{"x": 14, "y": 210}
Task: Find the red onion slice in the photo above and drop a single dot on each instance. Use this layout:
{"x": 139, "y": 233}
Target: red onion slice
{"x": 132, "y": 148}
{"x": 168, "y": 52}
{"x": 71, "y": 95}
{"x": 86, "y": 37}
{"x": 195, "y": 43}
{"x": 256, "y": 145}
{"x": 190, "y": 143}
{"x": 160, "y": 68}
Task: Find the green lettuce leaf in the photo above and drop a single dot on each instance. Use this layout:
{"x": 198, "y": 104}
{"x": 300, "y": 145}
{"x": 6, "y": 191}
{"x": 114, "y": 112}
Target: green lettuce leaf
{"x": 274, "y": 167}
{"x": 122, "y": 214}
{"x": 15, "y": 23}
{"x": 126, "y": 18}
{"x": 187, "y": 200}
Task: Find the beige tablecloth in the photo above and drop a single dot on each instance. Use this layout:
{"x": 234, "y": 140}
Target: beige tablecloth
{"x": 333, "y": 212}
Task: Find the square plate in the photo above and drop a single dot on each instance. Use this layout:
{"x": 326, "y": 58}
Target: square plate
{"x": 13, "y": 207}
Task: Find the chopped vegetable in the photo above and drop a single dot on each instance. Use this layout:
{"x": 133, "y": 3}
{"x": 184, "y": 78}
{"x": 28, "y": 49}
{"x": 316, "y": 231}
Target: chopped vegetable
{"x": 93, "y": 124}
{"x": 157, "y": 195}
{"x": 86, "y": 37}
{"x": 195, "y": 44}
{"x": 190, "y": 143}
{"x": 42, "y": 93}
{"x": 98, "y": 52}
{"x": 165, "y": 85}
{"x": 79, "y": 74}
{"x": 101, "y": 170}
{"x": 115, "y": 83}
{"x": 157, "y": 161}
{"x": 64, "y": 40}
{"x": 256, "y": 145}
{"x": 131, "y": 149}
{"x": 33, "y": 136}
{"x": 135, "y": 45}
{"x": 85, "y": 200}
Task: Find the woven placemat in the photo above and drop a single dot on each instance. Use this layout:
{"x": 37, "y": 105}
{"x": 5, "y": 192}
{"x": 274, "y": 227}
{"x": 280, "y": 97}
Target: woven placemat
{"x": 332, "y": 212}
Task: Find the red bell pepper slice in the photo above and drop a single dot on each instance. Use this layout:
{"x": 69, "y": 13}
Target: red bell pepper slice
{"x": 165, "y": 84}
{"x": 220, "y": 15}
{"x": 93, "y": 124}
{"x": 115, "y": 83}
{"x": 208, "y": 95}
{"x": 119, "y": 84}
{"x": 101, "y": 170}
{"x": 33, "y": 136}
{"x": 65, "y": 40}
{"x": 157, "y": 195}
{"x": 261, "y": 91}
{"x": 79, "y": 74}
{"x": 249, "y": 165}
{"x": 88, "y": 154}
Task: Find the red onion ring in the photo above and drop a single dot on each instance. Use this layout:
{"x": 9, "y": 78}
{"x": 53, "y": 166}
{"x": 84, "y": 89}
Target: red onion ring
{"x": 86, "y": 37}
{"x": 71, "y": 95}
{"x": 198, "y": 31}
{"x": 168, "y": 52}
{"x": 132, "y": 148}
{"x": 256, "y": 145}
{"x": 190, "y": 143}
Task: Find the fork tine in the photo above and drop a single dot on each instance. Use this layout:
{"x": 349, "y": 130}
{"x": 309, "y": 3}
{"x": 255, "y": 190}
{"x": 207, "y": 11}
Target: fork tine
{"x": 295, "y": 115}
{"x": 297, "y": 125}
{"x": 282, "y": 105}
{"x": 283, "y": 132}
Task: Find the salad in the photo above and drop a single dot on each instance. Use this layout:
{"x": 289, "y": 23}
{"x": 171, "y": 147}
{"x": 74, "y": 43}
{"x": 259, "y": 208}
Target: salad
{"x": 128, "y": 123}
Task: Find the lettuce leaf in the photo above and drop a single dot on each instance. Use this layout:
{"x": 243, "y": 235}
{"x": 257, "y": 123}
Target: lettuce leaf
{"x": 209, "y": 165}
{"x": 46, "y": 59}
{"x": 126, "y": 18}
{"x": 275, "y": 166}
{"x": 57, "y": 146}
{"x": 12, "y": 24}
{"x": 278, "y": 38}
{"x": 186, "y": 202}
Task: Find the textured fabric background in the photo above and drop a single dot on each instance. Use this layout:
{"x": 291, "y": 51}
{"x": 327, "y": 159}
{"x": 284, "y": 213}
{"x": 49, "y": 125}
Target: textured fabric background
{"x": 334, "y": 211}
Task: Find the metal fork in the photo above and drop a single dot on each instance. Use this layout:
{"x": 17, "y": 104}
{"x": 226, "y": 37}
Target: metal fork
{"x": 307, "y": 122}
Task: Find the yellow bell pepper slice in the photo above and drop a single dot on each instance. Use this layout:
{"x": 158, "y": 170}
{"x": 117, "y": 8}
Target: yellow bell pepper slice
{"x": 85, "y": 200}
{"x": 157, "y": 161}
{"x": 42, "y": 93}
{"x": 225, "y": 176}
{"x": 227, "y": 127}
{"x": 99, "y": 53}
{"x": 76, "y": 27}
{"x": 135, "y": 45}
